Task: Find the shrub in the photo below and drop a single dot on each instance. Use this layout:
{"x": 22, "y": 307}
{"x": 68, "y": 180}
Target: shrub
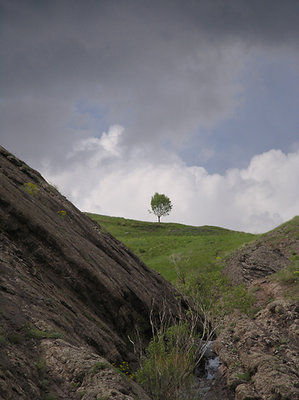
{"x": 31, "y": 188}
{"x": 166, "y": 369}
{"x": 214, "y": 295}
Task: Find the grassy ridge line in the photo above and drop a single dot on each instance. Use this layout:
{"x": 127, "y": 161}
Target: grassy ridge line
{"x": 197, "y": 248}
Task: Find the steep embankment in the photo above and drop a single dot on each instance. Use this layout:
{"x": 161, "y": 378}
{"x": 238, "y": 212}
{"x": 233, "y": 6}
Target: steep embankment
{"x": 260, "y": 355}
{"x": 70, "y": 294}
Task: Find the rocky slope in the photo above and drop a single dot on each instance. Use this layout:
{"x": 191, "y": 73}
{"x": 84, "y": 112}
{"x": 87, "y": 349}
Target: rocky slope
{"x": 260, "y": 354}
{"x": 71, "y": 296}
{"x": 266, "y": 255}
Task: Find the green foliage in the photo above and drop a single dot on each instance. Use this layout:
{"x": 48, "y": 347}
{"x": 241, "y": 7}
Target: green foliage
{"x": 31, "y": 188}
{"x": 193, "y": 257}
{"x": 166, "y": 369}
{"x": 213, "y": 294}
{"x": 160, "y": 205}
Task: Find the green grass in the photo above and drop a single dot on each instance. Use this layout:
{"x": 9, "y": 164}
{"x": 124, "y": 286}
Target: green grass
{"x": 197, "y": 249}
{"x": 199, "y": 254}
{"x": 281, "y": 234}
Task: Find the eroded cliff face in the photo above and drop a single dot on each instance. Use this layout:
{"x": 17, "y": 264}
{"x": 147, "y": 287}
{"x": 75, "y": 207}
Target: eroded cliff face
{"x": 260, "y": 354}
{"x": 68, "y": 292}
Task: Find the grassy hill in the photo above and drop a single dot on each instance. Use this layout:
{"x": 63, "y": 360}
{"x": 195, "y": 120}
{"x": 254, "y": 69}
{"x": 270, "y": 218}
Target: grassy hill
{"x": 158, "y": 245}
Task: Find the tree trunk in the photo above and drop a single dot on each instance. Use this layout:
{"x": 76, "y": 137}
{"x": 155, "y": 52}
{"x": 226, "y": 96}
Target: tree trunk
{"x": 159, "y": 218}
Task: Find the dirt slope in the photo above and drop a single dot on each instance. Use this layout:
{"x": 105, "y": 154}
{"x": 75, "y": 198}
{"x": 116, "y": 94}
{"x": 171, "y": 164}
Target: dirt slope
{"x": 68, "y": 292}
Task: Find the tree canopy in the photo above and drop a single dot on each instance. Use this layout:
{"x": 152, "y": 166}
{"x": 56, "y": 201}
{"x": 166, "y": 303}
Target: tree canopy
{"x": 161, "y": 205}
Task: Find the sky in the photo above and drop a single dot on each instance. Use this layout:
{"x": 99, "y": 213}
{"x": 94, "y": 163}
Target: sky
{"x": 114, "y": 100}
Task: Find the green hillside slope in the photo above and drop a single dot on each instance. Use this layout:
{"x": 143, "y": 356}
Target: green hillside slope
{"x": 158, "y": 245}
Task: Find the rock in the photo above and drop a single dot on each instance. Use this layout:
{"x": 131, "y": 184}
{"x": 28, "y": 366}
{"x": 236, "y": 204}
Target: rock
{"x": 86, "y": 374}
{"x": 263, "y": 363}
{"x": 62, "y": 277}
{"x": 255, "y": 261}
{"x": 245, "y": 392}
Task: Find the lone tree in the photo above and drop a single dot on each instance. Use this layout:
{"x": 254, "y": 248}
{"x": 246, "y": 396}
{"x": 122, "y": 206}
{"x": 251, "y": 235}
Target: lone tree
{"x": 161, "y": 205}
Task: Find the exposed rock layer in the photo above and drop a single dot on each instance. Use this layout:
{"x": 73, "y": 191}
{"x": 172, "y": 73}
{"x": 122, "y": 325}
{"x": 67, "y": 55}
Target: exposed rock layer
{"x": 266, "y": 255}
{"x": 62, "y": 277}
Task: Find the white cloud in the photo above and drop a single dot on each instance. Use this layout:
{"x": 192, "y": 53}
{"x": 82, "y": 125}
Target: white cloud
{"x": 107, "y": 179}
{"x": 95, "y": 150}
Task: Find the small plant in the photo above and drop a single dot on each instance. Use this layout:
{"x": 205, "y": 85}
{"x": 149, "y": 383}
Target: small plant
{"x": 124, "y": 368}
{"x": 34, "y": 333}
{"x": 244, "y": 377}
{"x": 99, "y": 366}
{"x": 31, "y": 188}
{"x": 166, "y": 369}
{"x": 61, "y": 213}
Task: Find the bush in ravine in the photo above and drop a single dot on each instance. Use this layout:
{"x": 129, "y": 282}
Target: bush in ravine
{"x": 166, "y": 368}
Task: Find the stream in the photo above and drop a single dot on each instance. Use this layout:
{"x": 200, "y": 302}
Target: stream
{"x": 212, "y": 363}
{"x": 206, "y": 372}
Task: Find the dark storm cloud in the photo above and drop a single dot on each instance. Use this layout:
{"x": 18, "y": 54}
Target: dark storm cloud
{"x": 162, "y": 69}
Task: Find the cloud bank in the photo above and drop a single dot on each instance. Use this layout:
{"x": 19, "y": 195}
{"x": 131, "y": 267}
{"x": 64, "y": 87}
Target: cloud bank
{"x": 180, "y": 87}
{"x": 166, "y": 71}
{"x": 104, "y": 178}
